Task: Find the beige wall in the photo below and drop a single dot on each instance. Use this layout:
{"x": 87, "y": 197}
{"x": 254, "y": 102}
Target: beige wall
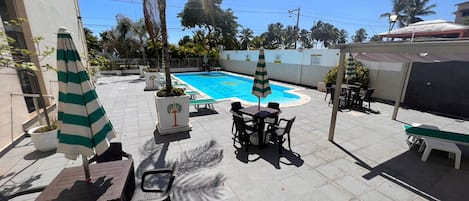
{"x": 45, "y": 18}
{"x": 10, "y": 84}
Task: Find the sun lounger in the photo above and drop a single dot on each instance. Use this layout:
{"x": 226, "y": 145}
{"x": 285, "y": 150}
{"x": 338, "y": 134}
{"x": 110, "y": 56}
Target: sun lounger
{"x": 418, "y": 131}
{"x": 433, "y": 138}
{"x": 208, "y": 102}
{"x": 191, "y": 94}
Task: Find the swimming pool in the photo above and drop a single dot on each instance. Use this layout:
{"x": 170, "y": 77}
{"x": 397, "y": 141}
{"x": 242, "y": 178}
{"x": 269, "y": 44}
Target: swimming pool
{"x": 221, "y": 85}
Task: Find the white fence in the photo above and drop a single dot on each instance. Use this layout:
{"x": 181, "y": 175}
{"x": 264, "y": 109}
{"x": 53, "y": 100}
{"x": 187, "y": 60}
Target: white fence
{"x": 308, "y": 67}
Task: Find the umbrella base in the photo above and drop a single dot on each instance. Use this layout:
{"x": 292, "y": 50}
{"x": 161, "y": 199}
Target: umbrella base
{"x": 173, "y": 130}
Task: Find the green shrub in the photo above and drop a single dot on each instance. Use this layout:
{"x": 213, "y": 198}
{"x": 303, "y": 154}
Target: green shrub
{"x": 362, "y": 75}
{"x": 173, "y": 92}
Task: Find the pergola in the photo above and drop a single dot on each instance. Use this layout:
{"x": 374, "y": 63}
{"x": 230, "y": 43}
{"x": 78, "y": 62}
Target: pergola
{"x": 428, "y": 51}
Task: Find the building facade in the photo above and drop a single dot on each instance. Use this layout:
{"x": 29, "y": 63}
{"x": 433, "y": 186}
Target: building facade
{"x": 41, "y": 19}
{"x": 462, "y": 13}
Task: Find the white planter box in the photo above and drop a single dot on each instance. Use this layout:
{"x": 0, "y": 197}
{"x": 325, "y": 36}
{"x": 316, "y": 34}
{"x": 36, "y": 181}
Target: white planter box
{"x": 44, "y": 142}
{"x": 152, "y": 81}
{"x": 141, "y": 72}
{"x": 172, "y": 114}
{"x": 322, "y": 86}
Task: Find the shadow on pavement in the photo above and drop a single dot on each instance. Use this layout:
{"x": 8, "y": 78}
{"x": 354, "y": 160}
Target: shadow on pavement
{"x": 435, "y": 179}
{"x": 270, "y": 154}
{"x": 195, "y": 178}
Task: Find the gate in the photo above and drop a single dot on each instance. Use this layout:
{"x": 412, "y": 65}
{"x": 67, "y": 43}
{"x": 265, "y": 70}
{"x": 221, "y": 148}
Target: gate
{"x": 441, "y": 88}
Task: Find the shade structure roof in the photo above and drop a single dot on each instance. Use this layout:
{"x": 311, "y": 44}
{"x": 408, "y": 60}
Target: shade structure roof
{"x": 409, "y": 51}
{"x": 427, "y": 51}
{"x": 429, "y": 28}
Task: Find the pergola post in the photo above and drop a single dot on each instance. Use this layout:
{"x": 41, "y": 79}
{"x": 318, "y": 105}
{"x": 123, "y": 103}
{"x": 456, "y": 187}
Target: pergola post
{"x": 404, "y": 77}
{"x": 338, "y": 83}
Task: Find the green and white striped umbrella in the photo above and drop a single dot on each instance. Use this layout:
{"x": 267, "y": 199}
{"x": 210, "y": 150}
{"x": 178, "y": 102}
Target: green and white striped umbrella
{"x": 84, "y": 128}
{"x": 261, "y": 87}
{"x": 350, "y": 70}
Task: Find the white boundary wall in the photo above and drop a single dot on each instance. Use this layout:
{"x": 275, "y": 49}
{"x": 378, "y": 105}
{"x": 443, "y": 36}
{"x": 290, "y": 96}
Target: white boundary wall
{"x": 308, "y": 67}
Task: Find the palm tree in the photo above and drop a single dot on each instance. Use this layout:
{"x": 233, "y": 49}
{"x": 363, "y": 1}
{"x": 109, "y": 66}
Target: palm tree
{"x": 289, "y": 37}
{"x": 418, "y": 8}
{"x": 342, "y": 36}
{"x": 306, "y": 39}
{"x": 154, "y": 12}
{"x": 360, "y": 35}
{"x": 141, "y": 34}
{"x": 325, "y": 33}
{"x": 245, "y": 37}
{"x": 398, "y": 7}
{"x": 408, "y": 11}
{"x": 273, "y": 36}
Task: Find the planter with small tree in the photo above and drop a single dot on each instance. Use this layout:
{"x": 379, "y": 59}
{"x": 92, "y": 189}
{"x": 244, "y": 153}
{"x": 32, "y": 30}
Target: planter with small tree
{"x": 44, "y": 137}
{"x": 172, "y": 105}
{"x": 152, "y": 79}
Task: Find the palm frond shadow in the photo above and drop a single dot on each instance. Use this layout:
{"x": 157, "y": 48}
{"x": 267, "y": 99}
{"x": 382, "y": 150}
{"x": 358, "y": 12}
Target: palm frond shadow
{"x": 195, "y": 180}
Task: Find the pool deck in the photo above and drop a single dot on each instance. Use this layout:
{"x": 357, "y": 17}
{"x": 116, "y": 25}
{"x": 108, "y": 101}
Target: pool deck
{"x": 368, "y": 160}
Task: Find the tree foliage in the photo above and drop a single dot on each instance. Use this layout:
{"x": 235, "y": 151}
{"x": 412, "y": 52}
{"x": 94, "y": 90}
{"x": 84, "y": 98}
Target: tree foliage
{"x": 409, "y": 11}
{"x": 360, "y": 36}
{"x": 219, "y": 26}
{"x": 245, "y": 38}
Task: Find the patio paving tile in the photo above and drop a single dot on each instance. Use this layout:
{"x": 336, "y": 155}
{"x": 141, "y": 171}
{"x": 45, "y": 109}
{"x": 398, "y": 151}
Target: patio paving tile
{"x": 369, "y": 159}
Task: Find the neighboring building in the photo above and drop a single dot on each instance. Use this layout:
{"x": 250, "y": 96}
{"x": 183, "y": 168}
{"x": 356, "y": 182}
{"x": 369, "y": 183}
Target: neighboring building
{"x": 462, "y": 13}
{"x": 43, "y": 18}
{"x": 429, "y": 29}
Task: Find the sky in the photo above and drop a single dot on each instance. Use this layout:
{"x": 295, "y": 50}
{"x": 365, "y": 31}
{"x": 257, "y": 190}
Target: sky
{"x": 99, "y": 15}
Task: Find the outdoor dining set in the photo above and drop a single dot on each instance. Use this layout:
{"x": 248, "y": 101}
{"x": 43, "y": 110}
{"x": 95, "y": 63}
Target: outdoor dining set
{"x": 249, "y": 126}
{"x": 352, "y": 96}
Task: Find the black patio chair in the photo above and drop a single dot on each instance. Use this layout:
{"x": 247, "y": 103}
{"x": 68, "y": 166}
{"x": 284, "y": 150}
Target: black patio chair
{"x": 328, "y": 89}
{"x": 342, "y": 97}
{"x": 278, "y": 132}
{"x": 235, "y": 107}
{"x": 274, "y": 118}
{"x": 366, "y": 97}
{"x": 155, "y": 176}
{"x": 243, "y": 133}
{"x": 113, "y": 153}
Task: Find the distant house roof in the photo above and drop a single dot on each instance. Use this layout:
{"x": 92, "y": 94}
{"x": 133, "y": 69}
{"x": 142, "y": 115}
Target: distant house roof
{"x": 430, "y": 28}
{"x": 467, "y": 2}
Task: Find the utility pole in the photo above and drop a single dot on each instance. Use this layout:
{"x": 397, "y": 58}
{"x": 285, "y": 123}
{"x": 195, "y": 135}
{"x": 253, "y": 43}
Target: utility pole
{"x": 297, "y": 22}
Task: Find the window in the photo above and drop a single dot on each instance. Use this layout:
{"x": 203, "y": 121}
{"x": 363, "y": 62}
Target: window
{"x": 464, "y": 13}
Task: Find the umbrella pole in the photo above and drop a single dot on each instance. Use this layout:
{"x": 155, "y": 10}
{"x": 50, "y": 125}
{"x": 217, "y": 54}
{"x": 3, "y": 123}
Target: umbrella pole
{"x": 259, "y": 103}
{"x": 87, "y": 168}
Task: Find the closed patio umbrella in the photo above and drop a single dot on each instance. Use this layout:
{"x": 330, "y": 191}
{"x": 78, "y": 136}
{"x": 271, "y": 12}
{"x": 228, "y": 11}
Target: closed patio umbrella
{"x": 261, "y": 87}
{"x": 350, "y": 70}
{"x": 84, "y": 128}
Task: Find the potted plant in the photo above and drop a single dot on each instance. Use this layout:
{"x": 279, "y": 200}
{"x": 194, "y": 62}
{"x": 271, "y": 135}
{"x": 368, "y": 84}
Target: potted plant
{"x": 44, "y": 138}
{"x": 152, "y": 79}
{"x": 361, "y": 75}
{"x": 172, "y": 105}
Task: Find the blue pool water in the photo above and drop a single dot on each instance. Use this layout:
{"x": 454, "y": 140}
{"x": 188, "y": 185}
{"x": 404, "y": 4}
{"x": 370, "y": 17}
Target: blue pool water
{"x": 220, "y": 85}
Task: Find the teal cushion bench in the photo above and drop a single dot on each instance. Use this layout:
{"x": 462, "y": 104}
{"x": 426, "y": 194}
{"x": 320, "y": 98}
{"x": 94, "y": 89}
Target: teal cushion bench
{"x": 208, "y": 102}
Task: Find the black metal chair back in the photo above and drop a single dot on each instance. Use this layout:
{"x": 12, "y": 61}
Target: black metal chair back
{"x": 274, "y": 118}
{"x": 328, "y": 89}
{"x": 236, "y": 106}
{"x": 113, "y": 153}
{"x": 241, "y": 133}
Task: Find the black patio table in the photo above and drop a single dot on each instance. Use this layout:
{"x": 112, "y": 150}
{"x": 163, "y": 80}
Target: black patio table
{"x": 349, "y": 88}
{"x": 259, "y": 115}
